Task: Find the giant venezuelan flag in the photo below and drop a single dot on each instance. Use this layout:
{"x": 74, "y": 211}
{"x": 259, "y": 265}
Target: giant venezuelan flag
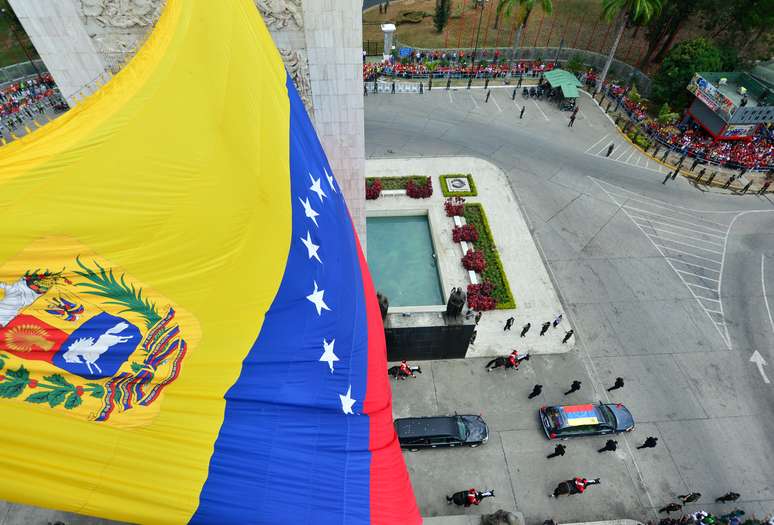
{"x": 188, "y": 329}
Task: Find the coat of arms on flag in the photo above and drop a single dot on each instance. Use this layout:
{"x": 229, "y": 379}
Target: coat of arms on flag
{"x": 80, "y": 336}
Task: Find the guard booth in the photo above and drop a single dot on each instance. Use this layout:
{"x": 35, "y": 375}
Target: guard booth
{"x": 563, "y": 88}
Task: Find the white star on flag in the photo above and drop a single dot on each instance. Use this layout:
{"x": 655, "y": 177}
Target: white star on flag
{"x": 328, "y": 355}
{"x": 316, "y": 298}
{"x": 347, "y": 401}
{"x": 310, "y": 246}
{"x": 330, "y": 180}
{"x": 315, "y": 187}
{"x": 308, "y": 211}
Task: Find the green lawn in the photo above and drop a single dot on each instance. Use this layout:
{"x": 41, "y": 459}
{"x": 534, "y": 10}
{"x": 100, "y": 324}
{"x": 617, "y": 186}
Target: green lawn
{"x": 10, "y": 52}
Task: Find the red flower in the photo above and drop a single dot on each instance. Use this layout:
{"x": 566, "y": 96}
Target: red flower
{"x": 79, "y": 391}
{"x": 373, "y": 190}
{"x": 474, "y": 261}
{"x": 419, "y": 191}
{"x": 466, "y": 232}
{"x": 32, "y": 383}
{"x": 2, "y": 378}
{"x": 454, "y": 206}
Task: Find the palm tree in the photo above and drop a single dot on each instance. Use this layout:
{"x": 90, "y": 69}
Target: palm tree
{"x": 624, "y": 11}
{"x": 528, "y": 5}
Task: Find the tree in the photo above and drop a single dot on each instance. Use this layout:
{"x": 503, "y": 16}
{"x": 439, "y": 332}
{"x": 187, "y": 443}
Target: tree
{"x": 741, "y": 24}
{"x": 682, "y": 61}
{"x": 666, "y": 115}
{"x": 663, "y": 28}
{"x": 528, "y": 6}
{"x": 625, "y": 11}
{"x": 442, "y": 14}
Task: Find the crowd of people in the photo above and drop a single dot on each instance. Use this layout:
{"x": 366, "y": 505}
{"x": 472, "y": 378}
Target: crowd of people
{"x": 690, "y": 139}
{"x": 420, "y": 64}
{"x": 735, "y": 517}
{"x": 22, "y": 100}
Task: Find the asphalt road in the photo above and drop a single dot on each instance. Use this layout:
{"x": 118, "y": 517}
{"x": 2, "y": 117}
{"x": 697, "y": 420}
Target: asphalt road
{"x": 664, "y": 286}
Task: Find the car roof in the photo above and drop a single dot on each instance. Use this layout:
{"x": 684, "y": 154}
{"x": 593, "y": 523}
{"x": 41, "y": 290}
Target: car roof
{"x": 427, "y": 426}
{"x": 577, "y": 415}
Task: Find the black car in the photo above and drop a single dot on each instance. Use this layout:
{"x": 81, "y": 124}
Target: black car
{"x": 441, "y": 431}
{"x": 566, "y": 421}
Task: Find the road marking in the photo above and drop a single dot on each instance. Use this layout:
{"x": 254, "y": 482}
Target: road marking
{"x": 541, "y": 111}
{"x": 675, "y": 226}
{"x": 700, "y": 286}
{"x": 765, "y": 298}
{"x": 680, "y": 220}
{"x": 624, "y": 151}
{"x": 451, "y": 99}
{"x": 474, "y": 100}
{"x": 699, "y": 276}
{"x": 630, "y": 155}
{"x": 689, "y": 254}
{"x": 722, "y": 333}
{"x": 687, "y": 237}
{"x": 692, "y": 264}
{"x": 496, "y": 104}
{"x": 687, "y": 244}
{"x": 516, "y": 104}
{"x": 673, "y": 233}
{"x": 596, "y": 143}
{"x": 714, "y": 312}
{"x": 760, "y": 362}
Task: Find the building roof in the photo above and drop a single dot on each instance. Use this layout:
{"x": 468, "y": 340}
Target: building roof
{"x": 565, "y": 80}
{"x": 756, "y": 91}
{"x": 764, "y": 72}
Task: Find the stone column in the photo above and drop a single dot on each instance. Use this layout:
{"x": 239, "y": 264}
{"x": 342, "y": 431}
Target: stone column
{"x": 334, "y": 43}
{"x": 389, "y": 31}
{"x": 59, "y": 36}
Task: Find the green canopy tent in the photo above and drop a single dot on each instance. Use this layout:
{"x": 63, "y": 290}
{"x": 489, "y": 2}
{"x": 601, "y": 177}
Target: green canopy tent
{"x": 566, "y": 84}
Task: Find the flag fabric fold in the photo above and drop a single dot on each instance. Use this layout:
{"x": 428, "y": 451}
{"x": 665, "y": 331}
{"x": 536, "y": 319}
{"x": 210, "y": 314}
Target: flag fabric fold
{"x": 188, "y": 328}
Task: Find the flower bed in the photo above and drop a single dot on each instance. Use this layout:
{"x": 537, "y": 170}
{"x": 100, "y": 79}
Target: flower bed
{"x": 474, "y": 261}
{"x": 373, "y": 189}
{"x": 447, "y": 193}
{"x": 419, "y": 189}
{"x": 454, "y": 207}
{"x": 466, "y": 232}
{"x": 493, "y": 273}
{"x": 480, "y": 296}
{"x": 396, "y": 183}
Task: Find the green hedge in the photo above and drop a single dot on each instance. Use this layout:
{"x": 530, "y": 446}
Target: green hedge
{"x": 446, "y": 193}
{"x": 397, "y": 183}
{"x": 494, "y": 273}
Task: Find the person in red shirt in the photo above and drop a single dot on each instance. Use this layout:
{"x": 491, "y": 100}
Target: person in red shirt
{"x": 473, "y": 498}
{"x": 405, "y": 370}
{"x": 513, "y": 359}
{"x": 580, "y": 484}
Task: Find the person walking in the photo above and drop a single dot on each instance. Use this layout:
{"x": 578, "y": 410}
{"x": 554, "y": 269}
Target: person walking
{"x": 728, "y": 182}
{"x": 764, "y": 187}
{"x": 545, "y": 328}
{"x": 567, "y": 336}
{"x": 521, "y": 113}
{"x": 473, "y": 337}
{"x": 557, "y": 320}
{"x": 574, "y": 387}
{"x": 488, "y": 92}
{"x": 668, "y": 176}
{"x": 478, "y": 317}
{"x": 690, "y": 497}
{"x": 695, "y": 163}
{"x": 746, "y": 187}
{"x": 525, "y": 329}
{"x": 572, "y": 120}
{"x": 619, "y": 383}
{"x": 672, "y": 507}
{"x": 728, "y": 496}
{"x": 650, "y": 442}
{"x": 536, "y": 390}
{"x": 519, "y": 84}
{"x": 609, "y": 149}
{"x": 558, "y": 451}
{"x": 610, "y": 446}
{"x": 702, "y": 172}
{"x": 508, "y": 323}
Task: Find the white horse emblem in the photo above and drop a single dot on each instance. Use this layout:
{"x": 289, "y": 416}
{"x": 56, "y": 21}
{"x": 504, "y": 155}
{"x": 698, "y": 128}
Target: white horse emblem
{"x": 90, "y": 351}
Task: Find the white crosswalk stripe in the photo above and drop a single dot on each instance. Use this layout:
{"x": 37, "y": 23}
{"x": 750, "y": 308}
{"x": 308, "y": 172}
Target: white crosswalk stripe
{"x": 692, "y": 248}
{"x": 623, "y": 153}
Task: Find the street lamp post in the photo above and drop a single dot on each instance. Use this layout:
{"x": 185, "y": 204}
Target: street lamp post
{"x": 478, "y": 33}
{"x": 18, "y": 40}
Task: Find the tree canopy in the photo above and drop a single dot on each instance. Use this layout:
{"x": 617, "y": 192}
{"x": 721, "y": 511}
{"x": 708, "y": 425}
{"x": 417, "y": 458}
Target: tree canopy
{"x": 682, "y": 61}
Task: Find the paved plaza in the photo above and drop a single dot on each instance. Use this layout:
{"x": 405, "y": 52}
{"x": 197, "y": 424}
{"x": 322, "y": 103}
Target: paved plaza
{"x": 665, "y": 285}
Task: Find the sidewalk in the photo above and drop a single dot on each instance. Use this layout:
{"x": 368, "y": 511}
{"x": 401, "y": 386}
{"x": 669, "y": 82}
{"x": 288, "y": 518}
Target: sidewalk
{"x": 532, "y": 289}
{"x": 472, "y": 519}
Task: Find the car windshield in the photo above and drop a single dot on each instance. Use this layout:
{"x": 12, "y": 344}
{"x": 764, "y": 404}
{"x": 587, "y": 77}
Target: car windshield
{"x": 463, "y": 428}
{"x": 554, "y": 418}
{"x": 607, "y": 414}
